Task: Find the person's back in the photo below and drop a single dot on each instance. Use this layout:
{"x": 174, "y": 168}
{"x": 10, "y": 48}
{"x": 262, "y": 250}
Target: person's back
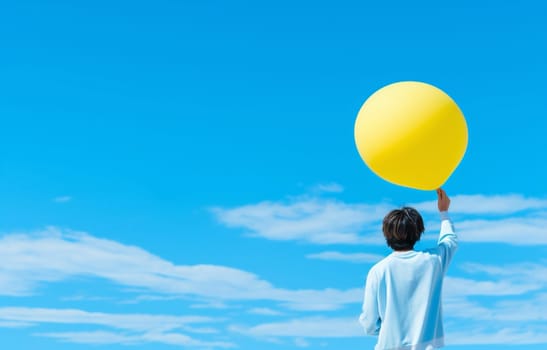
{"x": 403, "y": 291}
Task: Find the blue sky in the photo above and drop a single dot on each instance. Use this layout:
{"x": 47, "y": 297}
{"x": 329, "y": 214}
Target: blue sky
{"x": 183, "y": 173}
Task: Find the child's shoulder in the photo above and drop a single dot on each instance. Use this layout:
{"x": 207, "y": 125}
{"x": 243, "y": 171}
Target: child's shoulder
{"x": 393, "y": 260}
{"x": 381, "y": 265}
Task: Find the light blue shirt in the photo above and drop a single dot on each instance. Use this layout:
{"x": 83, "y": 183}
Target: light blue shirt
{"x": 402, "y": 303}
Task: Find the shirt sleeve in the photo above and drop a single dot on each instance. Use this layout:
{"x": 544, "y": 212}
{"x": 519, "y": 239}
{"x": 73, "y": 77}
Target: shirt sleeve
{"x": 370, "y": 317}
{"x": 448, "y": 241}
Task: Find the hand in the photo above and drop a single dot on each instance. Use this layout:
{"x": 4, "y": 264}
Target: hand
{"x": 443, "y": 202}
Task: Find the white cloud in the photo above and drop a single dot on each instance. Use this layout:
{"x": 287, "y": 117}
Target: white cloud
{"x": 15, "y": 324}
{"x": 512, "y": 301}
{"x": 309, "y": 219}
{"x": 531, "y": 272}
{"x": 53, "y": 255}
{"x": 529, "y": 334}
{"x": 515, "y": 231}
{"x": 461, "y": 315}
{"x": 265, "y": 311}
{"x": 321, "y": 327}
{"x": 501, "y": 313}
{"x": 210, "y": 305}
{"x": 85, "y": 298}
{"x": 457, "y": 286}
{"x": 347, "y": 257}
{"x": 134, "y": 322}
{"x": 518, "y": 220}
{"x": 180, "y": 339}
{"x": 104, "y": 338}
{"x": 516, "y": 314}
{"x": 94, "y": 337}
{"x": 328, "y": 299}
{"x": 310, "y": 327}
{"x": 301, "y": 343}
{"x": 62, "y": 199}
{"x": 527, "y": 283}
{"x": 132, "y": 328}
{"x": 481, "y": 204}
{"x": 328, "y": 188}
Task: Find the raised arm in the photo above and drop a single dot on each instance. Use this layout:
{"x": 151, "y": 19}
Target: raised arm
{"x": 448, "y": 241}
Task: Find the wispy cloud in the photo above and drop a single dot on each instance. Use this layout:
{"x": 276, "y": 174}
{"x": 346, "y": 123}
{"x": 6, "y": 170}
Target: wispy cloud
{"x": 344, "y": 327}
{"x": 311, "y": 220}
{"x": 527, "y": 271}
{"x": 301, "y": 343}
{"x": 332, "y": 187}
{"x": 211, "y": 304}
{"x": 528, "y": 334}
{"x": 527, "y": 309}
{"x": 104, "y": 338}
{"x": 309, "y": 327}
{"x": 516, "y": 314}
{"x": 62, "y": 199}
{"x": 526, "y": 279}
{"x": 487, "y": 205}
{"x": 128, "y": 328}
{"x": 328, "y": 221}
{"x": 465, "y": 317}
{"x": 15, "y": 324}
{"x": 85, "y": 298}
{"x": 458, "y": 286}
{"x": 529, "y": 230}
{"x": 265, "y": 311}
{"x": 347, "y": 257}
{"x": 134, "y": 322}
{"x": 54, "y": 255}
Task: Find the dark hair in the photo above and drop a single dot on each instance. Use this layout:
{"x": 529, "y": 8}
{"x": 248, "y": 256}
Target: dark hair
{"x": 403, "y": 228}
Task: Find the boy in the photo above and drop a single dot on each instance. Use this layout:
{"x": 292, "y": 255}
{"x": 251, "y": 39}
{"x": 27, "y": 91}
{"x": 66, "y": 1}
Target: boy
{"x": 402, "y": 303}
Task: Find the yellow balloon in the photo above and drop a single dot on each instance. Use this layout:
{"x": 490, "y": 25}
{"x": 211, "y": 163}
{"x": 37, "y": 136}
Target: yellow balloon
{"x": 411, "y": 134}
